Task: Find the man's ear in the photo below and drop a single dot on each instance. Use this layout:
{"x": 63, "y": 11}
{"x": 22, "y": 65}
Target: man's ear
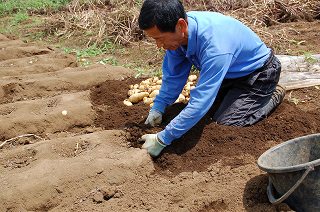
{"x": 182, "y": 26}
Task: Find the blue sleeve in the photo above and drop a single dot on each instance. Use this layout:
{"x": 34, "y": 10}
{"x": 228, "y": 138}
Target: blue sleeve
{"x": 175, "y": 71}
{"x": 213, "y": 70}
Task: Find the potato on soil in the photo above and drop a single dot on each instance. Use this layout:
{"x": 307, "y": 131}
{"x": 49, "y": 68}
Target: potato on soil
{"x": 137, "y": 97}
{"x": 152, "y": 88}
{"x": 133, "y": 91}
{"x": 155, "y": 79}
{"x": 154, "y": 93}
{"x": 127, "y": 102}
{"x": 136, "y": 86}
{"x": 147, "y": 100}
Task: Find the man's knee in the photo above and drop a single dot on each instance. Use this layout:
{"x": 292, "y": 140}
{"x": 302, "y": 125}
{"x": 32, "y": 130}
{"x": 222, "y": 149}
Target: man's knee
{"x": 239, "y": 122}
{"x": 240, "y": 116}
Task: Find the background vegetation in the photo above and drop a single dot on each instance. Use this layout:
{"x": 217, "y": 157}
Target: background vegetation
{"x": 107, "y": 30}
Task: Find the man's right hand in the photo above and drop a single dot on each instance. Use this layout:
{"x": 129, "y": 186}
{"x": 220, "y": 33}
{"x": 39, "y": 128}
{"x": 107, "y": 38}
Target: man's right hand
{"x": 154, "y": 118}
{"x": 152, "y": 144}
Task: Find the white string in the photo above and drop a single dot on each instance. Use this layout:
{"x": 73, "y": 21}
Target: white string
{"x": 20, "y": 136}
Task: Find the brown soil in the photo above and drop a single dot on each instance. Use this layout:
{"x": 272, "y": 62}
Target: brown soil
{"x": 298, "y": 38}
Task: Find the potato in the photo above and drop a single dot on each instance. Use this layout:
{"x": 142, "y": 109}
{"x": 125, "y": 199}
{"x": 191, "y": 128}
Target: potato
{"x": 155, "y": 79}
{"x": 159, "y": 82}
{"x": 133, "y": 91}
{"x": 181, "y": 99}
{"x": 146, "y": 82}
{"x": 127, "y": 102}
{"x": 147, "y": 100}
{"x": 154, "y": 93}
{"x": 192, "y": 78}
{"x": 143, "y": 87}
{"x": 185, "y": 93}
{"x": 136, "y": 86}
{"x": 137, "y": 97}
{"x": 187, "y": 87}
{"x": 154, "y": 87}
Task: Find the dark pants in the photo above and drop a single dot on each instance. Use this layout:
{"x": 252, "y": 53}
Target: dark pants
{"x": 247, "y": 100}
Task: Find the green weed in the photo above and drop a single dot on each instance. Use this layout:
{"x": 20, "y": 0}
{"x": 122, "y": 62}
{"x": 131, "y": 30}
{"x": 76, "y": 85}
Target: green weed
{"x": 140, "y": 72}
{"x": 138, "y": 3}
{"x": 94, "y": 50}
{"x": 15, "y": 6}
{"x": 309, "y": 58}
{"x": 110, "y": 60}
{"x": 37, "y": 35}
{"x": 146, "y": 71}
{"x": 18, "y": 18}
{"x": 83, "y": 55}
{"x": 91, "y": 51}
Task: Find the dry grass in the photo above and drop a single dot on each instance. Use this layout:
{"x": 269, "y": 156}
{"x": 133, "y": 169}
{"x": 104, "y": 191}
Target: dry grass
{"x": 266, "y": 12}
{"x": 260, "y": 14}
{"x": 116, "y": 20}
{"x": 97, "y": 20}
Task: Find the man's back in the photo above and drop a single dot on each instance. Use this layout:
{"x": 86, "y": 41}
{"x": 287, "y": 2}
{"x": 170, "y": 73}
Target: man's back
{"x": 212, "y": 34}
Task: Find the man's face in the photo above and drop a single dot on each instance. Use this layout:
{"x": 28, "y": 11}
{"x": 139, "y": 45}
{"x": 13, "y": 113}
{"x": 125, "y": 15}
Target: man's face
{"x": 166, "y": 40}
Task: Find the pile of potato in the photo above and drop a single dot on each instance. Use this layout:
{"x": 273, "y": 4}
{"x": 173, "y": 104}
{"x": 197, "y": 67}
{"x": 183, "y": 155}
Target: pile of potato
{"x": 148, "y": 89}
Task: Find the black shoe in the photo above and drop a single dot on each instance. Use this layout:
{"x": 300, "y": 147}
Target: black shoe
{"x": 278, "y": 95}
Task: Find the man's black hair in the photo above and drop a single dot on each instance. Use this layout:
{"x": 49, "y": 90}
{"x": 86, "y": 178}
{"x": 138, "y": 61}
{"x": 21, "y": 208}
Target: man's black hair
{"x": 161, "y": 13}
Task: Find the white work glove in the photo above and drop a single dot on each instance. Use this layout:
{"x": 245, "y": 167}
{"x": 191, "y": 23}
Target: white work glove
{"x": 154, "y": 118}
{"x": 152, "y": 144}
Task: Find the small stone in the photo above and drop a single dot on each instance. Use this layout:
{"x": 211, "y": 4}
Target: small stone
{"x": 89, "y": 130}
{"x": 117, "y": 194}
{"x": 195, "y": 174}
{"x": 108, "y": 192}
{"x": 58, "y": 190}
{"x": 98, "y": 197}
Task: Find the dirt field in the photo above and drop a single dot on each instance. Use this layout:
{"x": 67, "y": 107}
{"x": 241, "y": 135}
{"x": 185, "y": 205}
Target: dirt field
{"x": 90, "y": 160}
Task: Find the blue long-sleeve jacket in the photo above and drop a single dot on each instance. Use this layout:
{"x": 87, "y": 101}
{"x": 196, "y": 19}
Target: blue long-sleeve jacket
{"x": 220, "y": 47}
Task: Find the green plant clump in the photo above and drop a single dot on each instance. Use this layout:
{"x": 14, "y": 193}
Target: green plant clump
{"x": 91, "y": 51}
{"x": 23, "y": 6}
{"x": 308, "y": 57}
{"x": 18, "y": 18}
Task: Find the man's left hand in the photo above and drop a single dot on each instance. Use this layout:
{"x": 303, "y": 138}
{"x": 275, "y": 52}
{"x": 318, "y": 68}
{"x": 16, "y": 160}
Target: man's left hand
{"x": 152, "y": 144}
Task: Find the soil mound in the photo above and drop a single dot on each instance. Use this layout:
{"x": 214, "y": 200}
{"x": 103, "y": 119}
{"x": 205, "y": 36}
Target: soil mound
{"x": 207, "y": 142}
